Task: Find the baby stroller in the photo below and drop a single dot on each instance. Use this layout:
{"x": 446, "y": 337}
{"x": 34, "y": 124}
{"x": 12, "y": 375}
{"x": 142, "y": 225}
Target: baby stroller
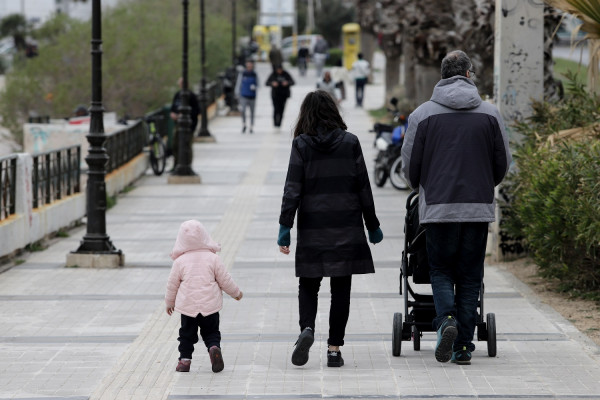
{"x": 419, "y": 311}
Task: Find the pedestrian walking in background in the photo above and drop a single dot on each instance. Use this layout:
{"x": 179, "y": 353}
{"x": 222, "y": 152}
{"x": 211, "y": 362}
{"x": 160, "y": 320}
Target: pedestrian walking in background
{"x": 275, "y": 56}
{"x": 194, "y": 289}
{"x": 339, "y": 74}
{"x": 361, "y": 71}
{"x": 328, "y": 85}
{"x": 320, "y": 55}
{"x": 328, "y": 186}
{"x": 245, "y": 90}
{"x": 176, "y": 114}
{"x": 280, "y": 82}
{"x": 455, "y": 152}
{"x": 303, "y": 57}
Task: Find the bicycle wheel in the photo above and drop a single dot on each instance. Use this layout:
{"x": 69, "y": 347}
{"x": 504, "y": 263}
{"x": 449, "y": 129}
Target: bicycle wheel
{"x": 158, "y": 155}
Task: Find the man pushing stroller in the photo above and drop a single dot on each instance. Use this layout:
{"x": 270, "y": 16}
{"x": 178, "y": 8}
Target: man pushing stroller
{"x": 455, "y": 152}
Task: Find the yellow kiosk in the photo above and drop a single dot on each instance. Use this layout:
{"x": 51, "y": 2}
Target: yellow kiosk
{"x": 261, "y": 35}
{"x": 351, "y": 41}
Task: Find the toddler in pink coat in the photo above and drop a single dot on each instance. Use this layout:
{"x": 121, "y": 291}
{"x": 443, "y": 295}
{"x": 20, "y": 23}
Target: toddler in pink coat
{"x": 194, "y": 289}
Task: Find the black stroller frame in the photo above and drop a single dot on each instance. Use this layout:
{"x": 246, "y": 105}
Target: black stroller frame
{"x": 419, "y": 309}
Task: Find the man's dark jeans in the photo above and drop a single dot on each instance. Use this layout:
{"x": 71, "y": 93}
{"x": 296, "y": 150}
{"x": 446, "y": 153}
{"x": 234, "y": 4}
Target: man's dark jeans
{"x": 456, "y": 253}
{"x": 360, "y": 90}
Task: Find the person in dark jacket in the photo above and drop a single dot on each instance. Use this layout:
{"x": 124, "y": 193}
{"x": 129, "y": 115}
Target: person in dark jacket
{"x": 176, "y": 113}
{"x": 280, "y": 82}
{"x": 328, "y": 186}
{"x": 455, "y": 152}
{"x": 275, "y": 56}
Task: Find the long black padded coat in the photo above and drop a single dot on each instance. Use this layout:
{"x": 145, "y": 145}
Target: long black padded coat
{"x": 327, "y": 183}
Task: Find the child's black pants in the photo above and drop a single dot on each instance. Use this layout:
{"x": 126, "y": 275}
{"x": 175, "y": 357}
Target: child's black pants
{"x": 188, "y": 333}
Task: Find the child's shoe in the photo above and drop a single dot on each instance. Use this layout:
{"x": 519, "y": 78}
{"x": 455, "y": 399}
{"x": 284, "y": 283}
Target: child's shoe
{"x": 216, "y": 359}
{"x": 305, "y": 340}
{"x": 445, "y": 339}
{"x": 334, "y": 358}
{"x": 183, "y": 366}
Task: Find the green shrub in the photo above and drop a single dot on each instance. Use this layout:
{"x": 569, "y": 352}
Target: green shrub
{"x": 293, "y": 60}
{"x": 335, "y": 57}
{"x": 555, "y": 191}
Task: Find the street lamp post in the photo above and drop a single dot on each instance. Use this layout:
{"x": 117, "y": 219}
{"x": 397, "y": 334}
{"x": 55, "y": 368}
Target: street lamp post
{"x": 233, "y": 101}
{"x": 96, "y": 249}
{"x": 204, "y": 133}
{"x": 183, "y": 172}
{"x": 233, "y": 34}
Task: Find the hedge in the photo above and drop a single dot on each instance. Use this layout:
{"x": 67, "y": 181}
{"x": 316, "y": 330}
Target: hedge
{"x": 555, "y": 191}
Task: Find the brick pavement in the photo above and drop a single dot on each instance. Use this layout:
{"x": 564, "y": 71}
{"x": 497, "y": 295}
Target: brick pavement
{"x": 103, "y": 334}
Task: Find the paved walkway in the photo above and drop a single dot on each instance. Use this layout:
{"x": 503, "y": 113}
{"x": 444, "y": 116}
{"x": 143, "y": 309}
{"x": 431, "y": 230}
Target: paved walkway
{"x": 104, "y": 334}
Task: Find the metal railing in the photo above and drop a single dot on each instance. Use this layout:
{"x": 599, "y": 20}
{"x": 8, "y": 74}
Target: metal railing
{"x": 8, "y": 186}
{"x": 124, "y": 145}
{"x": 56, "y": 174}
{"x": 214, "y": 90}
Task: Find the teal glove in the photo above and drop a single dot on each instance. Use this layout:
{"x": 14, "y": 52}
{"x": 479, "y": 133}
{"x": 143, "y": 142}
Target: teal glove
{"x": 284, "y": 238}
{"x": 375, "y": 236}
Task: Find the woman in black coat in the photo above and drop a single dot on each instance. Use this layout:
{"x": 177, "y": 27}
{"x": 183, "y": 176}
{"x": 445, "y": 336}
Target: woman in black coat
{"x": 279, "y": 81}
{"x": 328, "y": 185}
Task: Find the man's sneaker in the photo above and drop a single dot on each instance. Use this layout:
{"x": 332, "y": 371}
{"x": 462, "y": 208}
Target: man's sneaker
{"x": 305, "y": 340}
{"x": 183, "y": 366}
{"x": 216, "y": 359}
{"x": 445, "y": 339}
{"x": 334, "y": 358}
{"x": 462, "y": 356}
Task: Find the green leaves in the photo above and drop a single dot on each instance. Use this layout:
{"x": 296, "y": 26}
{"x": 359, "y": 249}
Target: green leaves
{"x": 142, "y": 57}
{"x": 556, "y": 192}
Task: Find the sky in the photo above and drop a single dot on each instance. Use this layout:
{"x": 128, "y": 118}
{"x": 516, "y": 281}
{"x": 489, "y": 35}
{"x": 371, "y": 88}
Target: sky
{"x": 43, "y": 9}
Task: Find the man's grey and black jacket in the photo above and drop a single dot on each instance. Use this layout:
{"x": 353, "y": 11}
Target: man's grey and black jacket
{"x": 455, "y": 152}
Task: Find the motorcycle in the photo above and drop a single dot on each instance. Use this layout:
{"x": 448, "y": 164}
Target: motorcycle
{"x": 388, "y": 140}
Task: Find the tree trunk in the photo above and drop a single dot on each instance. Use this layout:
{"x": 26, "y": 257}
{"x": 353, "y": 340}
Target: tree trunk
{"x": 392, "y": 76}
{"x": 426, "y": 79}
{"x": 367, "y": 48}
{"x": 410, "y": 83}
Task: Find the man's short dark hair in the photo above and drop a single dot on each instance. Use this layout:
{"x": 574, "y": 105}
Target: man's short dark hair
{"x": 360, "y": 56}
{"x": 455, "y": 63}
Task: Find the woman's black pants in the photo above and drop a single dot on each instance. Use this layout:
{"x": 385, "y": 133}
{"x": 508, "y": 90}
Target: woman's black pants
{"x": 278, "y": 107}
{"x": 308, "y": 300}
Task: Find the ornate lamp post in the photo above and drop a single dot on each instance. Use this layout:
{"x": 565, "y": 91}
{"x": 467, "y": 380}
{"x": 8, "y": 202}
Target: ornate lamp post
{"x": 233, "y": 101}
{"x": 183, "y": 172}
{"x": 204, "y": 134}
{"x": 96, "y": 249}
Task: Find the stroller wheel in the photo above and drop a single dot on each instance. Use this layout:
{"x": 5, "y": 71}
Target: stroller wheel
{"x": 397, "y": 335}
{"x": 416, "y": 337}
{"x": 491, "y": 334}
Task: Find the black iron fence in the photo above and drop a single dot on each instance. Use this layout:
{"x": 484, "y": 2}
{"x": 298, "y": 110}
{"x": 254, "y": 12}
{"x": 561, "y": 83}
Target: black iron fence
{"x": 56, "y": 174}
{"x": 214, "y": 90}
{"x": 124, "y": 145}
{"x": 8, "y": 185}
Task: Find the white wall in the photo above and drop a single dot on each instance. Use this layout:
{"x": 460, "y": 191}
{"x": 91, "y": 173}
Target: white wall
{"x": 29, "y": 226}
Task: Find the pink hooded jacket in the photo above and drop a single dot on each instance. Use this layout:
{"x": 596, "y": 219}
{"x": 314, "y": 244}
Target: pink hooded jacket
{"x": 198, "y": 275}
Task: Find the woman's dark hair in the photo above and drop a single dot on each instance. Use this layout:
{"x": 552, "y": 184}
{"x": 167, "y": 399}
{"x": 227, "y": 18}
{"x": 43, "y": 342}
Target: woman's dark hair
{"x": 318, "y": 109}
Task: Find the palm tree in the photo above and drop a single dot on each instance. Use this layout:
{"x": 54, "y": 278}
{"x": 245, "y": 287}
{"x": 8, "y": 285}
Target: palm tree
{"x": 587, "y": 11}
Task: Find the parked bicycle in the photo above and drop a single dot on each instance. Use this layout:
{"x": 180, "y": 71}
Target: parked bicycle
{"x": 157, "y": 147}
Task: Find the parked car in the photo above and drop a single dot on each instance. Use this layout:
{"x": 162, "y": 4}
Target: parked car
{"x": 287, "y": 44}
